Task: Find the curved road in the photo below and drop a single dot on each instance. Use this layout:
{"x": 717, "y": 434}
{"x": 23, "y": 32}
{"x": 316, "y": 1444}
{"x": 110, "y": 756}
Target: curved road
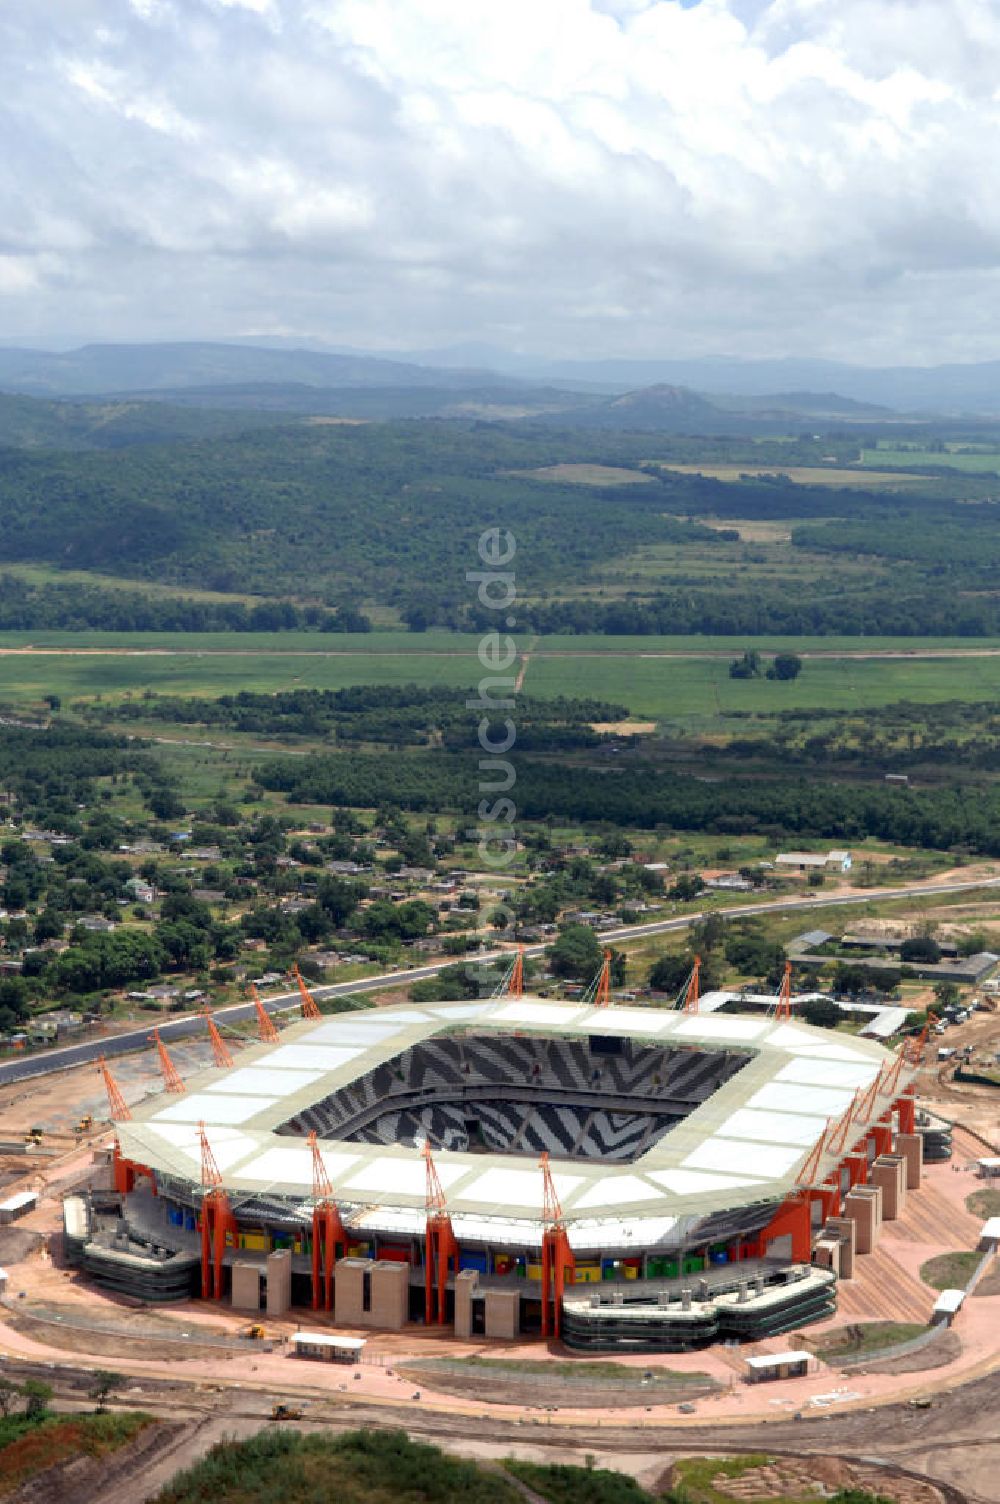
{"x": 48, "y": 1061}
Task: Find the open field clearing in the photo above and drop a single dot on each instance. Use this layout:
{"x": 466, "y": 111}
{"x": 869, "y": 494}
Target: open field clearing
{"x": 74, "y": 675}
{"x": 701, "y": 690}
{"x": 802, "y": 475}
{"x": 442, "y": 644}
{"x": 981, "y": 462}
{"x": 588, "y": 475}
{"x": 323, "y": 644}
{"x": 681, "y": 689}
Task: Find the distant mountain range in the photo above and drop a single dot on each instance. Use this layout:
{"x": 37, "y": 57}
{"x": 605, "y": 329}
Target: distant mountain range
{"x": 480, "y": 382}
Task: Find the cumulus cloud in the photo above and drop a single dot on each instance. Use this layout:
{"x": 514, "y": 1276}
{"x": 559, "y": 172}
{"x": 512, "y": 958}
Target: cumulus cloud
{"x": 577, "y": 176}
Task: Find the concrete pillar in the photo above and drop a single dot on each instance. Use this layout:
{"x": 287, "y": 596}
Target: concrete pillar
{"x": 889, "y": 1174}
{"x": 503, "y": 1314}
{"x": 911, "y": 1147}
{"x": 390, "y": 1295}
{"x": 349, "y": 1291}
{"x": 465, "y": 1284}
{"x": 246, "y": 1287}
{"x": 279, "y": 1281}
{"x": 863, "y": 1206}
{"x": 846, "y": 1230}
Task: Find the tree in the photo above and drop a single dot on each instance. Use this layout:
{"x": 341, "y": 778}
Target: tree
{"x": 576, "y": 953}
{"x": 947, "y": 994}
{"x": 785, "y": 666}
{"x": 687, "y": 886}
{"x": 747, "y": 667}
{"x": 670, "y": 972}
{"x": 104, "y": 1385}
{"x": 920, "y": 948}
{"x": 37, "y": 1396}
{"x": 820, "y": 1012}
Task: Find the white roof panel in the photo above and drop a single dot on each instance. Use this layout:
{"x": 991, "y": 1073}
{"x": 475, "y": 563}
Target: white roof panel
{"x": 779, "y": 1096}
{"x": 403, "y": 1177}
{"x": 304, "y": 1057}
{"x": 617, "y": 1190}
{"x": 203, "y": 1107}
{"x": 774, "y": 1127}
{"x": 694, "y": 1182}
{"x": 348, "y": 1030}
{"x": 720, "y": 1026}
{"x": 294, "y": 1164}
{"x": 625, "y": 1020}
{"x": 228, "y": 1146}
{"x": 517, "y": 1187}
{"x": 526, "y": 1012}
{"x": 253, "y": 1080}
{"x": 765, "y": 1160}
{"x": 400, "y": 1015}
{"x": 463, "y": 1010}
{"x": 842, "y": 1073}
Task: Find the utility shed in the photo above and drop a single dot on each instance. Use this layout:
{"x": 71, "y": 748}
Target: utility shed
{"x": 789, "y": 1365}
{"x": 947, "y": 1307}
{"x": 327, "y": 1348}
{"x": 17, "y": 1206}
{"x": 989, "y": 1234}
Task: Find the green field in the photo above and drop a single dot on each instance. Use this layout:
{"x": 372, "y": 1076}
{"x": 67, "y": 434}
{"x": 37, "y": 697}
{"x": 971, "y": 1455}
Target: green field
{"x": 692, "y": 688}
{"x": 700, "y": 690}
{"x": 982, "y": 462}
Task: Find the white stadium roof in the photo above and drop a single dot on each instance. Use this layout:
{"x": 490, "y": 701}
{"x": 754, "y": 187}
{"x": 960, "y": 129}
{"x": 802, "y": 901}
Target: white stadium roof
{"x": 746, "y": 1143}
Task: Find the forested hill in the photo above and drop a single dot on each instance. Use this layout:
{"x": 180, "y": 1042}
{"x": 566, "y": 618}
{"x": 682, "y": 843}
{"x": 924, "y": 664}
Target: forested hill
{"x": 609, "y": 538}
{"x": 379, "y": 511}
{"x": 30, "y": 423}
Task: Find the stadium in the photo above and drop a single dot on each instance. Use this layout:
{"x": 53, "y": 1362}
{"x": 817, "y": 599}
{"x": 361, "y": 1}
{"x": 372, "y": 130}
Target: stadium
{"x": 625, "y": 1178}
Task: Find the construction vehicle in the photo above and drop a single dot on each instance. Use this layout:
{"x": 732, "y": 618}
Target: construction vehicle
{"x": 34, "y": 1135}
{"x": 286, "y": 1412}
{"x": 255, "y": 1331}
{"x": 86, "y": 1123}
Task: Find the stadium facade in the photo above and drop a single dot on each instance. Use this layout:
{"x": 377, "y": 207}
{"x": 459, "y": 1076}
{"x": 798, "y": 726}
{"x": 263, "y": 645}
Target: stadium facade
{"x": 624, "y": 1177}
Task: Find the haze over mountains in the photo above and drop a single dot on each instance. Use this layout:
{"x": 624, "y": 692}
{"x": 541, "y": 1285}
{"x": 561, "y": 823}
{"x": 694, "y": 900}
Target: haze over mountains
{"x": 483, "y": 381}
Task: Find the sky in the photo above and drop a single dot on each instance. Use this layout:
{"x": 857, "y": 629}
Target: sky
{"x": 585, "y": 178}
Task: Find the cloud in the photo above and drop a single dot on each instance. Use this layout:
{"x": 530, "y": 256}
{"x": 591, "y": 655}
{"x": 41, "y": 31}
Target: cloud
{"x": 576, "y": 176}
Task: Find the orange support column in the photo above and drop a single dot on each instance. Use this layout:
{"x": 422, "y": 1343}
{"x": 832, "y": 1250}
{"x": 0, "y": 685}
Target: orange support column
{"x": 791, "y": 1217}
{"x": 906, "y": 1114}
{"x": 546, "y": 1280}
{"x": 857, "y": 1168}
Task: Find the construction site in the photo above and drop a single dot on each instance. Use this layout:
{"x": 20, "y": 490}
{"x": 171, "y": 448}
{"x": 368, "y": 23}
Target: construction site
{"x": 622, "y": 1178}
{"x": 280, "y": 1245}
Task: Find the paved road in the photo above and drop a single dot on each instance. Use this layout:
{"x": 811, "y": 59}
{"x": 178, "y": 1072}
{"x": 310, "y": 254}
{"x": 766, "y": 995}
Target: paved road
{"x": 179, "y": 1028}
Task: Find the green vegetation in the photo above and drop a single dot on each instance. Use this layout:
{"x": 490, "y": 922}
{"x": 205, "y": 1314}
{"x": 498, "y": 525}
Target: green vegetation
{"x": 984, "y": 1203}
{"x": 358, "y": 1467}
{"x": 648, "y": 794}
{"x": 864, "y": 1337}
{"x": 693, "y": 1482}
{"x": 985, "y": 461}
{"x": 35, "y": 1438}
{"x": 949, "y": 1271}
{"x": 584, "y": 1371}
{"x": 562, "y": 1484}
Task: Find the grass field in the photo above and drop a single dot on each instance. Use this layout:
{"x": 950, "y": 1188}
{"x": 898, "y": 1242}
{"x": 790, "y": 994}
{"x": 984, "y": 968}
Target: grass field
{"x": 949, "y": 1271}
{"x": 588, "y": 475}
{"x": 693, "y": 688}
{"x": 982, "y": 462}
